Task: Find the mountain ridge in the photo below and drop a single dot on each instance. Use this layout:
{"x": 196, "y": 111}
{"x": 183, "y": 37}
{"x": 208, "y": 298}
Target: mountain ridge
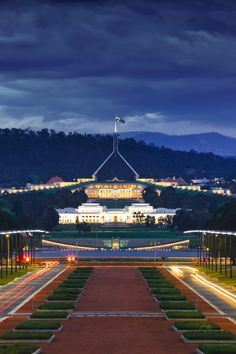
{"x": 214, "y": 142}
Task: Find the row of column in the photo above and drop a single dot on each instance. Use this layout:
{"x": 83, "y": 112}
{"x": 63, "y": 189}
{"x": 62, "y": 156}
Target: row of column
{"x": 217, "y": 252}
{"x": 17, "y": 251}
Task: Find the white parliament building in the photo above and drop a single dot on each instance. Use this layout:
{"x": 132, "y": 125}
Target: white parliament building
{"x": 99, "y": 214}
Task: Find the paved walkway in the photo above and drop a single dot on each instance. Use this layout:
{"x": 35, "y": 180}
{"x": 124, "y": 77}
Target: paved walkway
{"x": 116, "y": 289}
{"x": 119, "y": 290}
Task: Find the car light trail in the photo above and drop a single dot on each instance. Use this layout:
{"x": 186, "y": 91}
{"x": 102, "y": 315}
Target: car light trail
{"x": 217, "y": 288}
{"x": 176, "y": 270}
{"x": 18, "y": 298}
{"x": 26, "y": 282}
{"x": 191, "y": 269}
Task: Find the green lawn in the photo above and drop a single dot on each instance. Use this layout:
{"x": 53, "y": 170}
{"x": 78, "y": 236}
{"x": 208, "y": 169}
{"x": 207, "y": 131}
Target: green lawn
{"x": 218, "y": 348}
{"x": 5, "y": 280}
{"x": 18, "y": 348}
{"x": 26, "y": 335}
{"x": 121, "y": 233}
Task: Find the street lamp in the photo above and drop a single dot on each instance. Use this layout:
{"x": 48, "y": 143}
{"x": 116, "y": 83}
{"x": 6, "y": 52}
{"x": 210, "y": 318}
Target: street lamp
{"x": 8, "y": 251}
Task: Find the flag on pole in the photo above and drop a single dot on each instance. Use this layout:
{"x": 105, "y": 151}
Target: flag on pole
{"x": 117, "y": 119}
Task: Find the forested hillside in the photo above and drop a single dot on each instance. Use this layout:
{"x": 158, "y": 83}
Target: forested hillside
{"x": 28, "y": 156}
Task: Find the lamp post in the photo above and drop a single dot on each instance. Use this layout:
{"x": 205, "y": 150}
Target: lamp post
{"x": 155, "y": 252}
{"x": 1, "y": 255}
{"x": 7, "y": 251}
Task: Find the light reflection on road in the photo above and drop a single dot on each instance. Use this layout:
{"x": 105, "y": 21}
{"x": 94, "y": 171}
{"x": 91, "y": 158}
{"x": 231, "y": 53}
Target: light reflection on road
{"x": 214, "y": 293}
{"x": 12, "y": 294}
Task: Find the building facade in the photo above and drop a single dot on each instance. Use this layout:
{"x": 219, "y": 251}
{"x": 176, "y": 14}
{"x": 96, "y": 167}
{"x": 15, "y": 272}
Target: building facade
{"x": 95, "y": 213}
{"x": 111, "y": 190}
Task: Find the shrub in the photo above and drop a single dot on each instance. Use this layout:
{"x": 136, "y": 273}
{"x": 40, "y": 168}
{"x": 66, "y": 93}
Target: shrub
{"x": 26, "y": 335}
{"x": 182, "y": 305}
{"x": 171, "y": 297}
{"x": 166, "y": 291}
{"x": 161, "y": 285}
{"x": 198, "y": 325}
{"x": 18, "y": 348}
{"x": 49, "y": 314}
{"x": 85, "y": 269}
{"x": 72, "y": 285}
{"x": 65, "y": 290}
{"x": 184, "y": 314}
{"x": 76, "y": 282}
{"x": 57, "y": 306}
{"x": 63, "y": 296}
{"x": 218, "y": 348}
{"x": 34, "y": 325}
{"x": 218, "y": 335}
{"x": 78, "y": 277}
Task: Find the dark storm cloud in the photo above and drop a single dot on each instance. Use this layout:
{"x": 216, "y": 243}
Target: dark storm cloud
{"x": 163, "y": 65}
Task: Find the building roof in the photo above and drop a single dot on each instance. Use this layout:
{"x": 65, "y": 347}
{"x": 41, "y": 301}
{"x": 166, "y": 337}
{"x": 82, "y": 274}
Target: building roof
{"x": 178, "y": 180}
{"x": 55, "y": 179}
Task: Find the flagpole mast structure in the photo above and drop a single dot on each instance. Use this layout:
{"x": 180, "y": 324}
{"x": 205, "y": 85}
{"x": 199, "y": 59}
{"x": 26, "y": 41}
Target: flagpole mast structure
{"x": 115, "y": 151}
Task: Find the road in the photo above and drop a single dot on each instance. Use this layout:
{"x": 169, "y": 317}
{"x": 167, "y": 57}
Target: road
{"x": 220, "y": 296}
{"x": 16, "y": 292}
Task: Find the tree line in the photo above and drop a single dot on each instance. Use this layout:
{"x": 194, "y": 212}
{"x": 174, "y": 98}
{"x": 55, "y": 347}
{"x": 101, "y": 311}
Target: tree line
{"x": 29, "y": 156}
{"x": 199, "y": 210}
{"x": 36, "y": 209}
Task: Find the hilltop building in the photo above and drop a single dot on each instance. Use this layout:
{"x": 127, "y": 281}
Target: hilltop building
{"x": 99, "y": 214}
{"x": 115, "y": 166}
{"x": 114, "y": 190}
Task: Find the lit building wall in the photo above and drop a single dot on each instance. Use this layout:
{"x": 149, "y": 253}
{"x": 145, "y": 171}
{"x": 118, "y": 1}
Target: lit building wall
{"x": 114, "y": 191}
{"x": 94, "y": 213}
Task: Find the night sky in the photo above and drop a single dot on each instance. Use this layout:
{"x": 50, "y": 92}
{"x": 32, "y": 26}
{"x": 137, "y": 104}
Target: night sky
{"x": 162, "y": 65}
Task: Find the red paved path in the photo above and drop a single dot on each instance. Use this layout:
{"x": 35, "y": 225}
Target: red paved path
{"x": 117, "y": 289}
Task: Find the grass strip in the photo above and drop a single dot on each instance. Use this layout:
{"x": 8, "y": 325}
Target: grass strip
{"x": 64, "y": 296}
{"x": 161, "y": 286}
{"x": 18, "y": 348}
{"x": 57, "y": 306}
{"x": 170, "y": 297}
{"x": 65, "y": 290}
{"x": 182, "y": 305}
{"x": 49, "y": 314}
{"x": 197, "y": 325}
{"x": 209, "y": 335}
{"x": 218, "y": 348}
{"x": 184, "y": 314}
{"x": 74, "y": 282}
{"x": 78, "y": 276}
{"x": 35, "y": 325}
{"x": 26, "y": 335}
{"x": 72, "y": 285}
{"x": 166, "y": 291}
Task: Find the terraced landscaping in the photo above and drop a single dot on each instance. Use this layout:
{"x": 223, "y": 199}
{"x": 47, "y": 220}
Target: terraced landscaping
{"x": 113, "y": 305}
{"x": 177, "y": 306}
{"x": 38, "y": 329}
{"x": 18, "y": 348}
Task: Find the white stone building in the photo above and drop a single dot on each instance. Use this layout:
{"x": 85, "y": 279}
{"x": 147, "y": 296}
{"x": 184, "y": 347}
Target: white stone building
{"x": 98, "y": 214}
